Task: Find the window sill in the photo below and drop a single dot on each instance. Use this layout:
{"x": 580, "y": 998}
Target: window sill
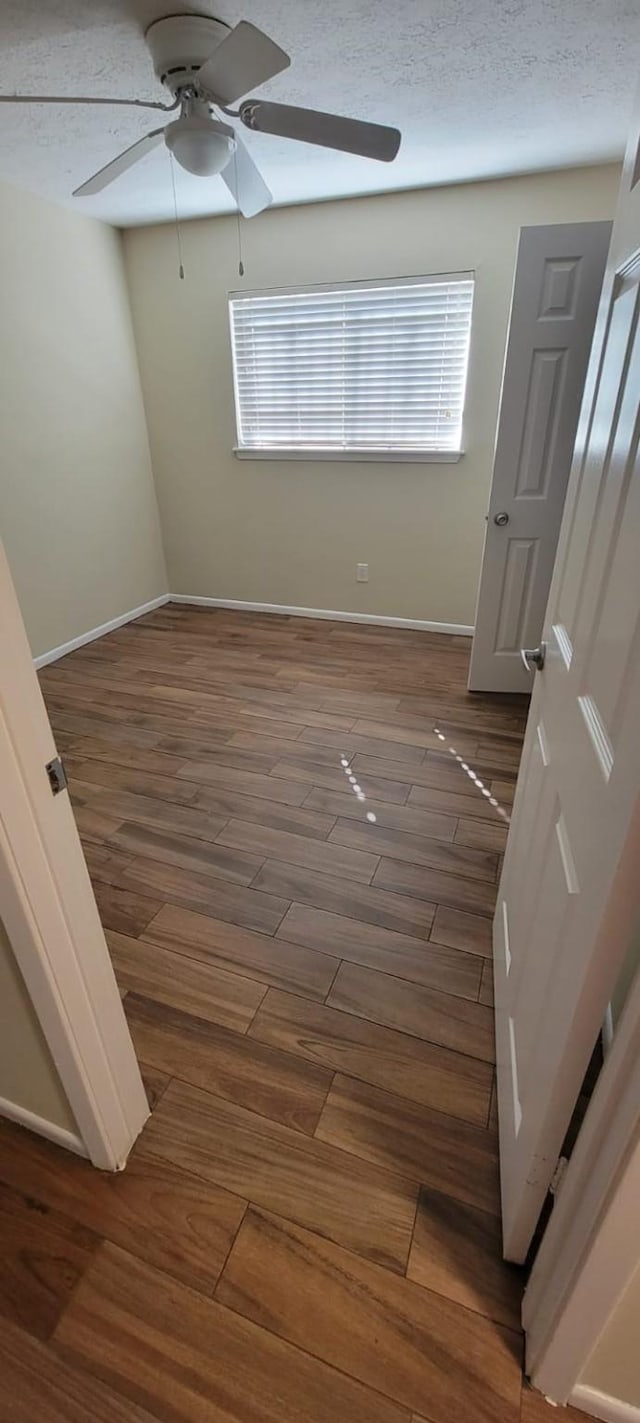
{"x": 368, "y": 456}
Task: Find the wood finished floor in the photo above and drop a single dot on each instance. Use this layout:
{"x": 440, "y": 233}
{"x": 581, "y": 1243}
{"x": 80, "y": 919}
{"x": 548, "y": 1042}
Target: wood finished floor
{"x": 296, "y": 871}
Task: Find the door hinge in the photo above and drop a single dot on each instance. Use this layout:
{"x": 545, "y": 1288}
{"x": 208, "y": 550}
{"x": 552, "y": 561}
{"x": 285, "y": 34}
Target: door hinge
{"x": 57, "y": 775}
{"x": 558, "y": 1175}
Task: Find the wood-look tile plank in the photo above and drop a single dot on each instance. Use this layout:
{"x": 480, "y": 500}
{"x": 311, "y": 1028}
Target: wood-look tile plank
{"x": 103, "y": 737}
{"x": 396, "y": 817}
{"x": 104, "y": 863}
{"x": 411, "y": 736}
{"x": 123, "y": 910}
{"x": 44, "y": 1254}
{"x": 194, "y": 987}
{"x": 382, "y": 1056}
{"x": 92, "y": 823}
{"x": 482, "y": 834}
{"x": 157, "y": 814}
{"x": 293, "y": 819}
{"x": 368, "y": 903}
{"x": 457, "y": 1252}
{"x": 205, "y": 801}
{"x": 272, "y": 1083}
{"x": 486, "y": 984}
{"x": 266, "y": 739}
{"x": 501, "y": 751}
{"x": 453, "y": 1022}
{"x": 332, "y": 1191}
{"x": 155, "y": 1083}
{"x": 438, "y": 887}
{"x": 305, "y": 773}
{"x": 218, "y": 897}
{"x": 351, "y": 743}
{"x": 504, "y": 791}
{"x": 303, "y": 717}
{"x": 457, "y": 930}
{"x": 38, "y": 1383}
{"x": 286, "y": 791}
{"x": 416, "y": 849}
{"x": 117, "y": 775}
{"x": 423, "y": 1145}
{"x": 180, "y": 851}
{"x": 157, "y": 1211}
{"x": 413, "y": 1346}
{"x": 237, "y": 950}
{"x": 470, "y": 806}
{"x": 226, "y": 754}
{"x": 434, "y": 772}
{"x": 190, "y": 1360}
{"x": 265, "y": 843}
{"x": 375, "y": 947}
{"x": 315, "y": 754}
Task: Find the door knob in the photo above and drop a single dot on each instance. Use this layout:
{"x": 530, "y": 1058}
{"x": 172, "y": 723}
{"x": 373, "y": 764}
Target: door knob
{"x": 534, "y": 657}
{"x": 501, "y": 519}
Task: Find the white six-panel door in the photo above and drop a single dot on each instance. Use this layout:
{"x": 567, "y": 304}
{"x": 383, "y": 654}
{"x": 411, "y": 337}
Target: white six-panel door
{"x": 558, "y": 280}
{"x": 559, "y": 930}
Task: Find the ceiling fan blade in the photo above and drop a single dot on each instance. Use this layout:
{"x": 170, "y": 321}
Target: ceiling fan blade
{"x": 119, "y": 165}
{"x": 85, "y": 99}
{"x": 245, "y": 183}
{"x": 245, "y": 59}
{"x": 328, "y": 130}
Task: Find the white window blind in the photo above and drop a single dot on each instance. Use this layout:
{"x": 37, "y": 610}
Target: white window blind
{"x": 369, "y": 368}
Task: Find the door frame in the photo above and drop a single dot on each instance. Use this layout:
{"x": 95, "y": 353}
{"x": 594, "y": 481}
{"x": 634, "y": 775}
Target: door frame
{"x": 52, "y": 921}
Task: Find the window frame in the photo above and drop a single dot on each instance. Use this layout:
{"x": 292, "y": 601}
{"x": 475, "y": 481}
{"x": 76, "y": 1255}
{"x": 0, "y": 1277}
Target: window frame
{"x": 372, "y": 456}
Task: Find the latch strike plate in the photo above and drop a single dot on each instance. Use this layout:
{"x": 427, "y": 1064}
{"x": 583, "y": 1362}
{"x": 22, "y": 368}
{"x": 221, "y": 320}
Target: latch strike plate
{"x": 57, "y": 775}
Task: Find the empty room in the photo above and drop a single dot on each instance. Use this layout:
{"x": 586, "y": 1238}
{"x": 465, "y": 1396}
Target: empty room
{"x": 319, "y": 696}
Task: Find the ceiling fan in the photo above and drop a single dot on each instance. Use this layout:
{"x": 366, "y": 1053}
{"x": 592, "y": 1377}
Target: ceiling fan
{"x": 206, "y": 66}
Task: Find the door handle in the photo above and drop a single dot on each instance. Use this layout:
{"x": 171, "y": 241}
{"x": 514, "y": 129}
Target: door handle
{"x": 501, "y": 519}
{"x": 534, "y": 657}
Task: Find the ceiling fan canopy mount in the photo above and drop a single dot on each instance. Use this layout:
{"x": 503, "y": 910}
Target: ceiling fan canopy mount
{"x": 181, "y": 45}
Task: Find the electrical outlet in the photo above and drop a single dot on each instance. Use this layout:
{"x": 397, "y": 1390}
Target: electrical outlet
{"x": 362, "y": 573}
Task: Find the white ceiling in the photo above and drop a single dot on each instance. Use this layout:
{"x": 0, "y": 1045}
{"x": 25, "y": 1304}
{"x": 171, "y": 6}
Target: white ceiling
{"x": 479, "y": 88}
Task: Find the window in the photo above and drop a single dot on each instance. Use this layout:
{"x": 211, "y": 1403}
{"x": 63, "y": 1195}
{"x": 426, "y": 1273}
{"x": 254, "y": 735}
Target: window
{"x": 365, "y": 370}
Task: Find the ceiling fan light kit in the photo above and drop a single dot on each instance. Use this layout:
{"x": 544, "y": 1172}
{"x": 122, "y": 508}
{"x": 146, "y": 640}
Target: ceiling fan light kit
{"x": 200, "y": 144}
{"x": 206, "y": 65}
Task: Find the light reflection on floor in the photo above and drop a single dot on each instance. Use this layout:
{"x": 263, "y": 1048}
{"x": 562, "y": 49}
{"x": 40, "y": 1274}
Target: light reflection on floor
{"x": 464, "y": 767}
{"x": 474, "y": 778}
{"x": 357, "y": 789}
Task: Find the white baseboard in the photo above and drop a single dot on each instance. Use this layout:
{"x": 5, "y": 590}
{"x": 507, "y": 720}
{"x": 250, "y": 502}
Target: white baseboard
{"x": 65, "y": 647}
{"x": 42, "y": 1127}
{"x": 378, "y": 619}
{"x": 602, "y": 1405}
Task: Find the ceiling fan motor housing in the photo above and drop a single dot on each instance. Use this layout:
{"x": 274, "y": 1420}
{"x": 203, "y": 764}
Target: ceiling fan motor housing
{"x": 180, "y": 45}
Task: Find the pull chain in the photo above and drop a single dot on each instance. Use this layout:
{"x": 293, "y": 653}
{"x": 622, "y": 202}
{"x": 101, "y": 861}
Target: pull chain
{"x": 177, "y": 219}
{"x": 238, "y": 226}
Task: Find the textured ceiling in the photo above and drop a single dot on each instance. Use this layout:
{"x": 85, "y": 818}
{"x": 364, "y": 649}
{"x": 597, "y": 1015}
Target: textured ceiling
{"x": 480, "y": 88}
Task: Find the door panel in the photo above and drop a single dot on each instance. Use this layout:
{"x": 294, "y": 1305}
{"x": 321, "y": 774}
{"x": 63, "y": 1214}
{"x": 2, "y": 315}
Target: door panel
{"x": 557, "y": 285}
{"x": 557, "y": 939}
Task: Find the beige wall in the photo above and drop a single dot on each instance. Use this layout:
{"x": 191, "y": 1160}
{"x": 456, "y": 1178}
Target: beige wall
{"x": 614, "y": 1366}
{"x": 292, "y": 532}
{"x": 28, "y": 1077}
{"x": 78, "y": 513}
